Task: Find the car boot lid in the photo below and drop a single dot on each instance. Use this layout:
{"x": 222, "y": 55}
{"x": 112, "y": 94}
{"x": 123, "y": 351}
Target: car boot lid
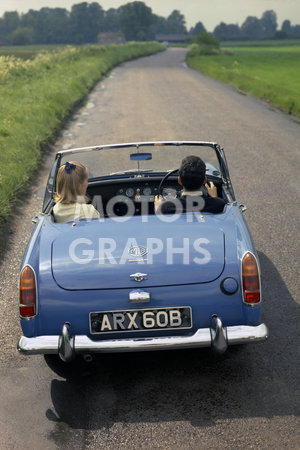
{"x": 110, "y": 255}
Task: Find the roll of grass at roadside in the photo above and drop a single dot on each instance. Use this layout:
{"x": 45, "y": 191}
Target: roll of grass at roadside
{"x": 38, "y": 96}
{"x": 269, "y": 72}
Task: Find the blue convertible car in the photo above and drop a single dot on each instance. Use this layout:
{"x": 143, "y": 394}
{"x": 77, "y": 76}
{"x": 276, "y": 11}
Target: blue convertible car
{"x": 134, "y": 280}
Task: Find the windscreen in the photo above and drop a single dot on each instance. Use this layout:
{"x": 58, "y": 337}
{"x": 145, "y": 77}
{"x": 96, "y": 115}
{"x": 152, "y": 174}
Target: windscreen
{"x": 109, "y": 161}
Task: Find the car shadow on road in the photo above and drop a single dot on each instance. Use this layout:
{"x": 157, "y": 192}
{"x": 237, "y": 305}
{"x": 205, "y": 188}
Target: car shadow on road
{"x": 257, "y": 380}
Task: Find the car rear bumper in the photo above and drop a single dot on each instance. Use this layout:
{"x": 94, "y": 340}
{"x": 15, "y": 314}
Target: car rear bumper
{"x": 217, "y": 337}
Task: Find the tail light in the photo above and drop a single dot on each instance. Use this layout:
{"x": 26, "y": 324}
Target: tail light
{"x": 250, "y": 279}
{"x": 27, "y": 293}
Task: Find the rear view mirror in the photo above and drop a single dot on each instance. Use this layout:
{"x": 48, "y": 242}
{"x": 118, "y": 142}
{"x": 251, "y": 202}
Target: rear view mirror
{"x": 140, "y": 156}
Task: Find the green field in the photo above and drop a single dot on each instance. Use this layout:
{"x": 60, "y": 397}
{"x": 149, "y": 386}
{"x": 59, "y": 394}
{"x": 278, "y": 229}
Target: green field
{"x": 37, "y": 97}
{"x": 28, "y": 51}
{"x": 268, "y": 70}
{"x": 262, "y": 43}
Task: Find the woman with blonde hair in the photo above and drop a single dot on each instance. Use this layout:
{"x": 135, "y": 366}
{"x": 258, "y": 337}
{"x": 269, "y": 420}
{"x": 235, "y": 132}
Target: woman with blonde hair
{"x": 70, "y": 197}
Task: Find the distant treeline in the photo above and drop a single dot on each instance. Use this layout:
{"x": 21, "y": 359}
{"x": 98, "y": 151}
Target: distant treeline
{"x": 134, "y": 20}
{"x": 257, "y": 29}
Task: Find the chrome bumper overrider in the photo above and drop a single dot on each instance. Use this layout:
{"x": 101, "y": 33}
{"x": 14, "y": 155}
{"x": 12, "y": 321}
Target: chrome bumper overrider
{"x": 217, "y": 337}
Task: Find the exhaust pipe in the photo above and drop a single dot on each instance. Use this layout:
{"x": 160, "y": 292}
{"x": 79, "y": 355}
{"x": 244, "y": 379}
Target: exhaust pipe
{"x": 218, "y": 335}
{"x": 66, "y": 344}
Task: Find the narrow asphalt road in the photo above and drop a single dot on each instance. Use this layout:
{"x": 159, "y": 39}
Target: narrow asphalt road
{"x": 244, "y": 399}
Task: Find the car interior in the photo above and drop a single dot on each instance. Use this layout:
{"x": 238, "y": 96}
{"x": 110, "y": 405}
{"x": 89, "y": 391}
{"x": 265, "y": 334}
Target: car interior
{"x": 115, "y": 196}
{"x": 132, "y": 192}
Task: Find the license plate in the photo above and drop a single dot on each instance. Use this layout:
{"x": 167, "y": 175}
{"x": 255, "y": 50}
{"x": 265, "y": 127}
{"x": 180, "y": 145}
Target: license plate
{"x": 141, "y": 320}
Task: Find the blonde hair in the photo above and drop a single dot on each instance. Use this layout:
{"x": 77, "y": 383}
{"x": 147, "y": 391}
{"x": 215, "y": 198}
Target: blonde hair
{"x": 69, "y": 178}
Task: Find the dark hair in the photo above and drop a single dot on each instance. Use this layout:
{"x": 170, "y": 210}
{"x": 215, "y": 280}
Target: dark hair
{"x": 192, "y": 172}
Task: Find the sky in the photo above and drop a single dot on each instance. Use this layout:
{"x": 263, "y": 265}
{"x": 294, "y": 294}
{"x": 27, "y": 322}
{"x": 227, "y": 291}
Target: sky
{"x": 209, "y": 12}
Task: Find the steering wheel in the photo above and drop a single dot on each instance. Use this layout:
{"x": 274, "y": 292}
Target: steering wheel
{"x": 164, "y": 179}
{"x": 203, "y": 188}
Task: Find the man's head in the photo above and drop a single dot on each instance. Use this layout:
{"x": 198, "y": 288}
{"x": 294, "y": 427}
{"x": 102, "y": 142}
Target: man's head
{"x": 192, "y": 172}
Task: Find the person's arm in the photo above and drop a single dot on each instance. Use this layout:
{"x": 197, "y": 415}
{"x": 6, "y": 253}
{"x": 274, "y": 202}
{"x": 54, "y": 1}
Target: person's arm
{"x": 157, "y": 202}
{"x": 211, "y": 189}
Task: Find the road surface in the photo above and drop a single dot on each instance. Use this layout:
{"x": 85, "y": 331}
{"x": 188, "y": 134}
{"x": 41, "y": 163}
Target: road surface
{"x": 244, "y": 399}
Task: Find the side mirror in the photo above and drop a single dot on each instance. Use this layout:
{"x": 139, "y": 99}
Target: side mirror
{"x": 243, "y": 208}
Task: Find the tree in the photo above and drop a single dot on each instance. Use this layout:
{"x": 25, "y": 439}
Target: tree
{"x": 296, "y": 31}
{"x": 49, "y": 25}
{"x": 96, "y": 21}
{"x": 22, "y": 36}
{"x": 111, "y": 20}
{"x": 194, "y": 31}
{"x": 1, "y": 28}
{"x": 207, "y": 39}
{"x": 159, "y": 26}
{"x": 176, "y": 23}
{"x": 87, "y": 20}
{"x": 43, "y": 26}
{"x": 11, "y": 21}
{"x": 58, "y": 26}
{"x": 269, "y": 24}
{"x": 30, "y": 20}
{"x": 280, "y": 35}
{"x": 227, "y": 32}
{"x": 252, "y": 28}
{"x": 79, "y": 23}
{"x": 207, "y": 44}
{"x": 135, "y": 21}
{"x": 286, "y": 27}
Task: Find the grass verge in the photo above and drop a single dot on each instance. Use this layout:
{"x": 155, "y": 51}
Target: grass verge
{"x": 28, "y": 51}
{"x": 38, "y": 96}
{"x": 268, "y": 72}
